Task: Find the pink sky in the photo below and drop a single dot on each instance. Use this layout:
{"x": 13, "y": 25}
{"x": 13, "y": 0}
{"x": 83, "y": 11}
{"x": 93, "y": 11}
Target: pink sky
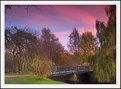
{"x": 60, "y": 19}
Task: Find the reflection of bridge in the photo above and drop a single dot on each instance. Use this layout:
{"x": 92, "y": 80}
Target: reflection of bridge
{"x": 57, "y": 71}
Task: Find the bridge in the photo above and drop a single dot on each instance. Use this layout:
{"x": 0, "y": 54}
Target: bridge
{"x": 64, "y": 70}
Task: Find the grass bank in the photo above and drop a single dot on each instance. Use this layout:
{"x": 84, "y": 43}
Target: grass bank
{"x": 29, "y": 80}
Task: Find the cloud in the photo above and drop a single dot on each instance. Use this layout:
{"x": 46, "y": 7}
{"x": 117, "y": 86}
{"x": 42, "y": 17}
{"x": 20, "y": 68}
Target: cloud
{"x": 59, "y": 15}
{"x": 59, "y": 18}
{"x": 72, "y": 13}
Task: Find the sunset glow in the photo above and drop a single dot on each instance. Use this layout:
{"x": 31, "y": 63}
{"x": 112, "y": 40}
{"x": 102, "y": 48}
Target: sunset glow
{"x": 60, "y": 19}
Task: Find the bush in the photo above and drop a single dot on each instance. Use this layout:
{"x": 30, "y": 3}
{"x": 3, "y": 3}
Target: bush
{"x": 41, "y": 68}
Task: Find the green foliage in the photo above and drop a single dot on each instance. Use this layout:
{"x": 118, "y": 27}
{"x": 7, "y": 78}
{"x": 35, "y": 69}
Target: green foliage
{"x": 29, "y": 80}
{"x": 9, "y": 63}
{"x": 75, "y": 57}
{"x": 91, "y": 60}
{"x": 41, "y": 68}
{"x": 87, "y": 42}
{"x": 82, "y": 46}
{"x": 105, "y": 69}
{"x": 87, "y": 46}
{"x": 106, "y": 56}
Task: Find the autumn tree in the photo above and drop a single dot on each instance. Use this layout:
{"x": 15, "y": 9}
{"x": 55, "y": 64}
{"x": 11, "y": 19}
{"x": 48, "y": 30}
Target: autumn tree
{"x": 106, "y": 57}
{"x": 64, "y": 58}
{"x": 87, "y": 46}
{"x": 22, "y": 46}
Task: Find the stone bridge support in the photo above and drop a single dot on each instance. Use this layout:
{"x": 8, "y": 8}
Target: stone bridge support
{"x": 72, "y": 78}
{"x": 81, "y": 78}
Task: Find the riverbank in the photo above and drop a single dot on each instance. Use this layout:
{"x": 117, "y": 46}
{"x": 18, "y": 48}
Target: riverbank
{"x": 29, "y": 80}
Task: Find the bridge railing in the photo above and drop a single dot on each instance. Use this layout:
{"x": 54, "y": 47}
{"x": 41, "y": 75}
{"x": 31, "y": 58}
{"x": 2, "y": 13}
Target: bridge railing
{"x": 65, "y": 69}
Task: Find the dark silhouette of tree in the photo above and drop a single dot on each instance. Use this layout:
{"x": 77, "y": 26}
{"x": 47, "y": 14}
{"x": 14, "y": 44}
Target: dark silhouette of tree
{"x": 51, "y": 45}
{"x": 8, "y": 38}
{"x": 101, "y": 31}
{"x": 74, "y": 41}
{"x": 21, "y": 46}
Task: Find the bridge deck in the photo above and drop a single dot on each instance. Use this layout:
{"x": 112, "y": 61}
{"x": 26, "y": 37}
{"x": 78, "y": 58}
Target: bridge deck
{"x": 70, "y": 69}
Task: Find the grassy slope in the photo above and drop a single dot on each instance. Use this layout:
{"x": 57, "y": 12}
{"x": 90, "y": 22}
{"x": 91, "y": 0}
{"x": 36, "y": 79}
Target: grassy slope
{"x": 29, "y": 80}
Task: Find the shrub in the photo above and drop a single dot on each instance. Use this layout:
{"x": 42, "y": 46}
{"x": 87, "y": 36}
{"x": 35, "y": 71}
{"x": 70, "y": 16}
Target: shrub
{"x": 41, "y": 68}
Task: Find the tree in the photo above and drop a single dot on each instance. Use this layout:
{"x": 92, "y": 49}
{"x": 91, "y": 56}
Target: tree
{"x": 74, "y": 41}
{"x": 22, "y": 46}
{"x": 19, "y": 45}
{"x": 64, "y": 58}
{"x": 8, "y": 38}
{"x": 106, "y": 57}
{"x": 87, "y": 46}
{"x": 51, "y": 46}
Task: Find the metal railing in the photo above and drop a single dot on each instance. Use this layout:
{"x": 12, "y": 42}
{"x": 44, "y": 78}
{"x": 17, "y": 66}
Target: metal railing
{"x": 70, "y": 69}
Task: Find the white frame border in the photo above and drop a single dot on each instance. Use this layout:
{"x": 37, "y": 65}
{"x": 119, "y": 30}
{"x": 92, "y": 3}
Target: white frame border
{"x": 117, "y": 85}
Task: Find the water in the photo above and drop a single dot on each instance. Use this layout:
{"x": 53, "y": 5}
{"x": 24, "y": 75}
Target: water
{"x": 82, "y": 78}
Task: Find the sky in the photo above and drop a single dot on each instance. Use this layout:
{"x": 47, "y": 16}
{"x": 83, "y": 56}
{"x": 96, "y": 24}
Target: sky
{"x": 60, "y": 19}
